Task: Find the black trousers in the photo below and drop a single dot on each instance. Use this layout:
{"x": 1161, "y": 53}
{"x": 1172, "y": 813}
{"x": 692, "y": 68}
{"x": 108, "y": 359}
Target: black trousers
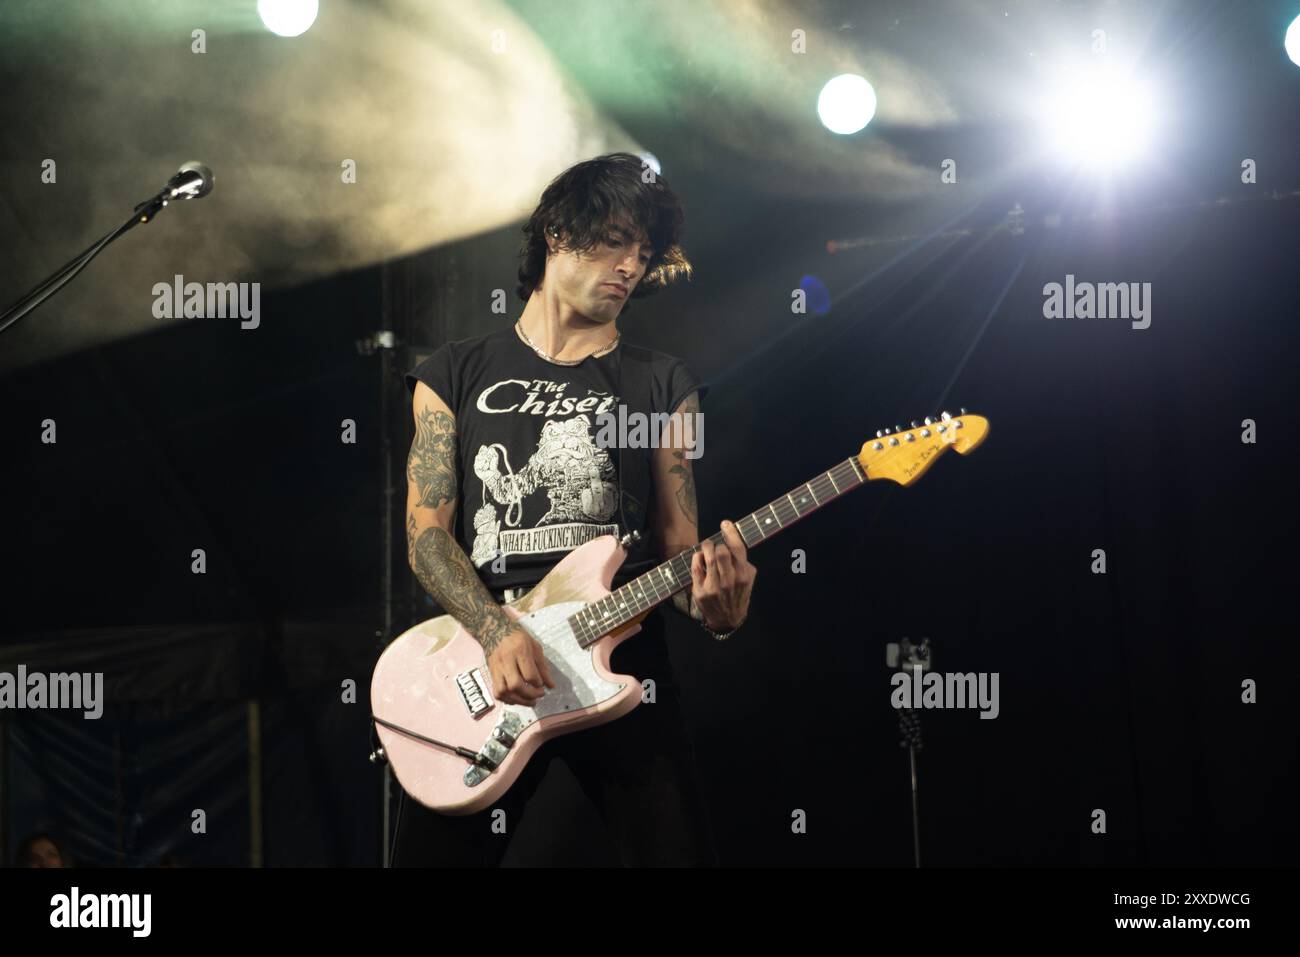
{"x": 638, "y": 770}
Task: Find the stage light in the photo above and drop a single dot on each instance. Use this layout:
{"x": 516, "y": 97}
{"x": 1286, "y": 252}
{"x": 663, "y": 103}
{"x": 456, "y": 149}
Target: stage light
{"x": 817, "y": 295}
{"x": 1293, "y": 41}
{"x": 1100, "y": 119}
{"x": 287, "y": 18}
{"x": 846, "y": 103}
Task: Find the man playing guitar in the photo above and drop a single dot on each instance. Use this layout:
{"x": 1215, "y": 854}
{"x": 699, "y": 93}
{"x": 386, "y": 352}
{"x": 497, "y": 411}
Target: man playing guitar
{"x": 505, "y": 478}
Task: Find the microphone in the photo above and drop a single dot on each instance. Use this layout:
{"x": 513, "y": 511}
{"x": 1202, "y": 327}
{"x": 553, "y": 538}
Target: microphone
{"x": 192, "y": 182}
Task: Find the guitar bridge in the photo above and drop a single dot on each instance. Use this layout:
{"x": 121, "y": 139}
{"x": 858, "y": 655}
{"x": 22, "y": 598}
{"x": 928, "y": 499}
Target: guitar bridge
{"x": 495, "y": 749}
{"x": 475, "y": 691}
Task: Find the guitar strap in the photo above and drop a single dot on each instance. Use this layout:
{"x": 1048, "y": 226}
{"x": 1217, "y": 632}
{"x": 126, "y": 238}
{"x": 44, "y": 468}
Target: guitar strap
{"x": 635, "y": 387}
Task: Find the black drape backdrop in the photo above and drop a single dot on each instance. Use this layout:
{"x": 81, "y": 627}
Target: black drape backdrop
{"x": 1119, "y": 692}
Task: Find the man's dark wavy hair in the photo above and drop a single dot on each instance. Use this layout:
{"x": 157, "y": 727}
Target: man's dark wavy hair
{"x": 584, "y": 200}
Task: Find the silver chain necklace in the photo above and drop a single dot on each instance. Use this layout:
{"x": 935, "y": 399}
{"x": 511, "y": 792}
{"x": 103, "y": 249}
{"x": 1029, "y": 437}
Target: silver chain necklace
{"x": 519, "y": 328}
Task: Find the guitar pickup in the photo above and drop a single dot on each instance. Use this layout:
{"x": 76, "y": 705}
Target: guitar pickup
{"x": 475, "y": 691}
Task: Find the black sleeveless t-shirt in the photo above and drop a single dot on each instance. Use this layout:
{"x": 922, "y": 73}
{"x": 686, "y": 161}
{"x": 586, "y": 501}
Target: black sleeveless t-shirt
{"x": 534, "y": 483}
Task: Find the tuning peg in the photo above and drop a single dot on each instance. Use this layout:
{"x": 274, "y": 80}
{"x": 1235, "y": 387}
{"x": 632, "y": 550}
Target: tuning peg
{"x": 880, "y": 433}
{"x": 945, "y": 416}
{"x": 898, "y": 428}
{"x": 915, "y": 424}
{"x": 929, "y": 421}
{"x": 961, "y": 411}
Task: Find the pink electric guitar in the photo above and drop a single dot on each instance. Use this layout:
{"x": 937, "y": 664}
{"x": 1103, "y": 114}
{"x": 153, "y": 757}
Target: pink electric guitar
{"x": 456, "y": 749}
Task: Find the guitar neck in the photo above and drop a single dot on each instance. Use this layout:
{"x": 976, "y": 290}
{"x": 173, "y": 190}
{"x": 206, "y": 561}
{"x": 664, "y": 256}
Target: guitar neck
{"x": 659, "y": 584}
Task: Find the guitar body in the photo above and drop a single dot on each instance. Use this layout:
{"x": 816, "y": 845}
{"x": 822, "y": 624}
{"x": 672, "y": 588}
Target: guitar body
{"x": 455, "y": 749}
{"x": 425, "y": 682}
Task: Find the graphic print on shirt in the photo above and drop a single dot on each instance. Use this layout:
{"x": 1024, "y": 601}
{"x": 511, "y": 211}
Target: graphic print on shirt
{"x": 577, "y": 476}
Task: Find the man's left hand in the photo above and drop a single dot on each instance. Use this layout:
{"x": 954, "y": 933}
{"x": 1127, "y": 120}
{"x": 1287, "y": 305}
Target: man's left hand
{"x": 722, "y": 579}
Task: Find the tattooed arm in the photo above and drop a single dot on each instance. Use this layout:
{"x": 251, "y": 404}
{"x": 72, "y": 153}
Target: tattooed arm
{"x": 676, "y": 525}
{"x": 438, "y": 561}
{"x": 722, "y": 577}
{"x": 515, "y": 659}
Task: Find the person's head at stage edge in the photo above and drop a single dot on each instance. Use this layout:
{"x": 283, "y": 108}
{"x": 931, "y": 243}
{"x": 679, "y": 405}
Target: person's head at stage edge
{"x": 604, "y": 222}
{"x": 41, "y": 850}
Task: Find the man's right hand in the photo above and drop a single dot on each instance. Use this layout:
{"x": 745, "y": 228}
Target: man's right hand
{"x": 519, "y": 668}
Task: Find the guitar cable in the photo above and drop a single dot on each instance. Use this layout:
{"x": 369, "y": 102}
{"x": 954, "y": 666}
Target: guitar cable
{"x": 462, "y": 752}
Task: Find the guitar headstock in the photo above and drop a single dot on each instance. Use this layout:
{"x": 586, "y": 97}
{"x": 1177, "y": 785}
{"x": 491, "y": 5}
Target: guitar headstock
{"x": 904, "y": 455}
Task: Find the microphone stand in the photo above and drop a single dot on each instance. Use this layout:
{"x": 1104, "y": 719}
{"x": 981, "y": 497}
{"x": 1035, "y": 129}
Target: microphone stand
{"x": 143, "y": 213}
{"x": 911, "y": 657}
{"x": 909, "y": 722}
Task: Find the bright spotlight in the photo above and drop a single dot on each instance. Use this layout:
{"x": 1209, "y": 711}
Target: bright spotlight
{"x": 846, "y": 103}
{"x": 1100, "y": 119}
{"x": 1292, "y": 42}
{"x": 287, "y": 18}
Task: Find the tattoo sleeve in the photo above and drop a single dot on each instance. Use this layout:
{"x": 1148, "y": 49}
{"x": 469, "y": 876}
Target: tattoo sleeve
{"x": 685, "y": 492}
{"x": 439, "y": 563}
{"x": 445, "y": 571}
{"x": 431, "y": 466}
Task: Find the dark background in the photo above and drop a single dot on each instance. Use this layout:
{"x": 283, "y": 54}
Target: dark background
{"x": 1119, "y": 691}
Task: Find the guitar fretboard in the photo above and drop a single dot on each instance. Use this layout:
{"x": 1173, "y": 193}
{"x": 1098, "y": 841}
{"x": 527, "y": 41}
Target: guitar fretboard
{"x": 660, "y": 584}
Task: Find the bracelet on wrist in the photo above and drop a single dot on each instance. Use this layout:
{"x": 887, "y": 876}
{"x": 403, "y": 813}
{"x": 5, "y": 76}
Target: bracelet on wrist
{"x": 723, "y": 636}
{"x": 720, "y": 636}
